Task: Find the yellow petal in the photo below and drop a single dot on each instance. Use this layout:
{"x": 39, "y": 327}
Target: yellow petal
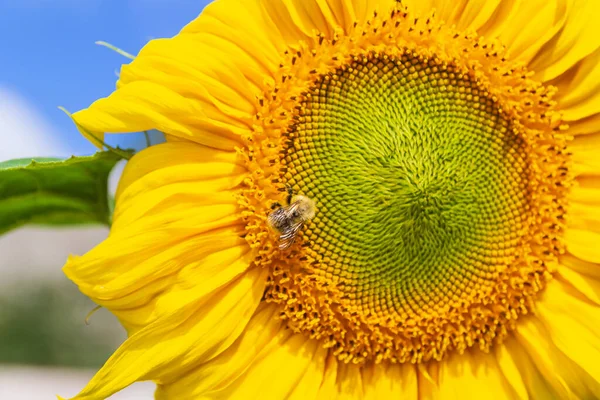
{"x": 584, "y": 217}
{"x": 223, "y": 110}
{"x": 145, "y": 105}
{"x": 211, "y": 194}
{"x": 341, "y": 11}
{"x": 573, "y": 43}
{"x": 476, "y": 13}
{"x": 172, "y": 177}
{"x": 298, "y": 20}
{"x": 349, "y": 382}
{"x": 422, "y": 8}
{"x": 342, "y": 381}
{"x": 364, "y": 9}
{"x": 134, "y": 295}
{"x": 167, "y": 348}
{"x": 571, "y": 324}
{"x": 166, "y": 155}
{"x": 194, "y": 75}
{"x": 428, "y": 380}
{"x": 390, "y": 381}
{"x": 131, "y": 269}
{"x": 538, "y": 387}
{"x": 583, "y": 267}
{"x": 500, "y": 20}
{"x": 200, "y": 85}
{"x": 465, "y": 14}
{"x": 176, "y": 212}
{"x": 96, "y": 138}
{"x": 585, "y": 158}
{"x": 221, "y": 371}
{"x": 585, "y": 126}
{"x": 308, "y": 16}
{"x": 587, "y": 286}
{"x": 449, "y": 10}
{"x": 328, "y": 389}
{"x": 580, "y": 194}
{"x": 510, "y": 370}
{"x": 583, "y": 244}
{"x": 292, "y": 368}
{"x": 529, "y": 26}
{"x": 579, "y": 89}
{"x": 293, "y": 23}
{"x": 588, "y": 182}
{"x": 462, "y": 13}
{"x": 473, "y": 375}
{"x": 309, "y": 384}
{"x": 243, "y": 31}
{"x": 539, "y": 361}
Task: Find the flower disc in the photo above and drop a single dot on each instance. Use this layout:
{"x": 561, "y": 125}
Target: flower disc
{"x": 421, "y": 181}
{"x": 430, "y": 172}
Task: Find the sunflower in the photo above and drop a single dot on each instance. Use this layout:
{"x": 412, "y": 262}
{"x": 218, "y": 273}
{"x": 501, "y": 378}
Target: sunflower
{"x": 451, "y": 151}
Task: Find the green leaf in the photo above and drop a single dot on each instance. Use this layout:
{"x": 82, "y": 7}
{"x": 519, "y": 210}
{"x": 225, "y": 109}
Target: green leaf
{"x": 51, "y": 191}
{"x": 23, "y": 162}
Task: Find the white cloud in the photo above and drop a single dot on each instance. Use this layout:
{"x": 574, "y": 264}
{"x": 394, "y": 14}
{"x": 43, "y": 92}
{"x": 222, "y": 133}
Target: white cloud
{"x": 24, "y": 131}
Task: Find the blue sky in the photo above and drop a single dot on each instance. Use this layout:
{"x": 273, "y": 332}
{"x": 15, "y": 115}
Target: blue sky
{"x": 50, "y": 59}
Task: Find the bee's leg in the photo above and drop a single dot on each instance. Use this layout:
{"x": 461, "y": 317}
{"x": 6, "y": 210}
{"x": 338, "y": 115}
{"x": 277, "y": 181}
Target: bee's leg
{"x": 290, "y": 192}
{"x": 275, "y": 205}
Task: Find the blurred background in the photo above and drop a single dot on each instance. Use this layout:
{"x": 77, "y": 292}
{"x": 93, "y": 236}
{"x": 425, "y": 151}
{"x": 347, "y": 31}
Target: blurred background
{"x": 49, "y": 59}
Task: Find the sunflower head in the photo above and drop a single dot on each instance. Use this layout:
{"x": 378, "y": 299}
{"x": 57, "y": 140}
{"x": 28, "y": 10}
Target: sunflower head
{"x": 440, "y": 169}
{"x": 375, "y": 195}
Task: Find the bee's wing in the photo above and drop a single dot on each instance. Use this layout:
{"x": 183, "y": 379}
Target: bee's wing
{"x": 277, "y": 218}
{"x": 288, "y": 237}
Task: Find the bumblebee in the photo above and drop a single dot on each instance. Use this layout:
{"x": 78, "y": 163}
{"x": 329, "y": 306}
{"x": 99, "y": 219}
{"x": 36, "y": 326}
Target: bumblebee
{"x": 288, "y": 220}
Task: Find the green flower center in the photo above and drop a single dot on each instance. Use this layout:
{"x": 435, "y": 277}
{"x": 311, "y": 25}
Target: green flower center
{"x": 420, "y": 183}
